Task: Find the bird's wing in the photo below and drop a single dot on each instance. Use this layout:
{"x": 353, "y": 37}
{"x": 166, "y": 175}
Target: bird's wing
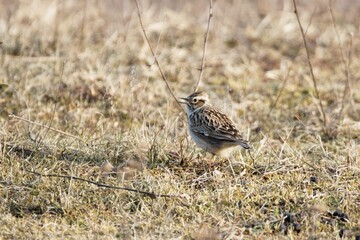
{"x": 213, "y": 123}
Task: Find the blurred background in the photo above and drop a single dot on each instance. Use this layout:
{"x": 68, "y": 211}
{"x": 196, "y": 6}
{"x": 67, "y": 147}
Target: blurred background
{"x": 84, "y": 69}
{"x": 93, "y": 53}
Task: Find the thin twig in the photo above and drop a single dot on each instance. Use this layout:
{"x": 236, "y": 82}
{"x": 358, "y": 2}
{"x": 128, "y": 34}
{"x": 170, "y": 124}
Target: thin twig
{"x": 45, "y": 126}
{"x": 83, "y": 23}
{"x": 149, "y": 194}
{"x": 34, "y": 59}
{"x": 48, "y": 128}
{"x": 154, "y": 55}
{"x": 346, "y": 65}
{"x": 56, "y": 22}
{"x": 322, "y": 112}
{"x": 205, "y": 44}
{"x": 281, "y": 89}
{"x": 53, "y": 112}
{"x": 288, "y": 72}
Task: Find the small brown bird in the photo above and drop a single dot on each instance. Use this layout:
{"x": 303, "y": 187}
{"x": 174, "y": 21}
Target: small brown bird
{"x": 211, "y": 129}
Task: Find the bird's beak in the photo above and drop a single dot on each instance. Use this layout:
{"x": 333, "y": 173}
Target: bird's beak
{"x": 183, "y": 100}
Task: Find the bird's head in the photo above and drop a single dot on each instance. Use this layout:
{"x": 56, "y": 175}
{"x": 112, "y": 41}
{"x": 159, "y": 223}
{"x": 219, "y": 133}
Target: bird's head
{"x": 195, "y": 101}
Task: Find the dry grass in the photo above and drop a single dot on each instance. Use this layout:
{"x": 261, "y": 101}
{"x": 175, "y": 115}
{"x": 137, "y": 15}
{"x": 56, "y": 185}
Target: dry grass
{"x": 84, "y": 69}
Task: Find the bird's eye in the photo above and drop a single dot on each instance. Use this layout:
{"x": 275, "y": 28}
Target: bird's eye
{"x": 195, "y": 100}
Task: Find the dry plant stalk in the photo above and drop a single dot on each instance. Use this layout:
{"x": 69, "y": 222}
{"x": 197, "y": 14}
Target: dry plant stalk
{"x": 272, "y": 106}
{"x": 149, "y": 194}
{"x": 154, "y": 55}
{"x": 45, "y": 126}
{"x": 48, "y": 127}
{"x": 346, "y": 64}
{"x": 83, "y": 24}
{"x": 205, "y": 44}
{"x": 322, "y": 112}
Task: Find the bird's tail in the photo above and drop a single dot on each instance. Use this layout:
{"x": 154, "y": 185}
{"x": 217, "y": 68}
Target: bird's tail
{"x": 245, "y": 144}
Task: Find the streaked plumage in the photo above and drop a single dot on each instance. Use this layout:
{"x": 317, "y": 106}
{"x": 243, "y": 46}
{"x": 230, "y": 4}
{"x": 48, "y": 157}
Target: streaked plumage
{"x": 211, "y": 129}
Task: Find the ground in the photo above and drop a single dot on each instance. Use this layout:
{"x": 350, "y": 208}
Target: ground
{"x": 81, "y": 96}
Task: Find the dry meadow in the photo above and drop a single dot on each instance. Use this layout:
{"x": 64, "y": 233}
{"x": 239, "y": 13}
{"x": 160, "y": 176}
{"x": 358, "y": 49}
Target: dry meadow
{"x": 94, "y": 146}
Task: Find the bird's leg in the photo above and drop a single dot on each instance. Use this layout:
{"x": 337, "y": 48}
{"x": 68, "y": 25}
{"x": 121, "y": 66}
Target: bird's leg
{"x": 199, "y": 159}
{"x": 210, "y": 162}
{"x": 252, "y": 159}
{"x": 231, "y": 167}
{"x": 183, "y": 162}
{"x": 217, "y": 160}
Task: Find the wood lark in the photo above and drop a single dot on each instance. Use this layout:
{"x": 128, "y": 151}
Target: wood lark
{"x": 211, "y": 129}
